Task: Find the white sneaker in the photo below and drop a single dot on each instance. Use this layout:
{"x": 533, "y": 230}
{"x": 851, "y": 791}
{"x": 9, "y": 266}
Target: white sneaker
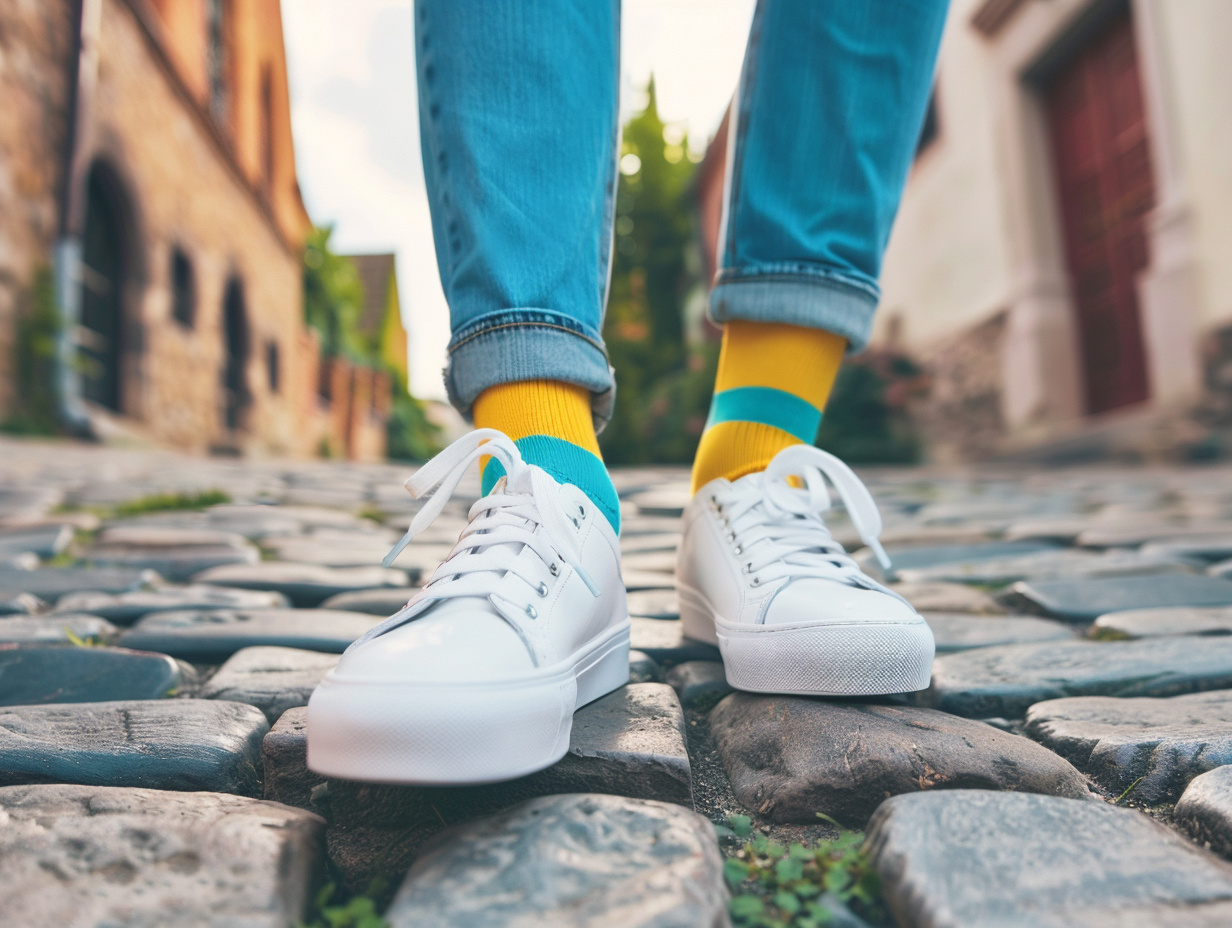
{"x": 477, "y": 678}
{"x": 759, "y": 575}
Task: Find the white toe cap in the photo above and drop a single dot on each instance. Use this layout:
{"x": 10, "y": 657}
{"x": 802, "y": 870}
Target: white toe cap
{"x": 812, "y": 599}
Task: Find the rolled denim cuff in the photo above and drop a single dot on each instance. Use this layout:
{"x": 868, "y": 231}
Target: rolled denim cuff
{"x": 798, "y": 296}
{"x": 525, "y": 344}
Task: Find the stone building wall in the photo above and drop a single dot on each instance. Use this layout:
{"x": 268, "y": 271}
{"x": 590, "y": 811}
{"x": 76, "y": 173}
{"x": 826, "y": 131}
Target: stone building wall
{"x": 37, "y": 67}
{"x": 185, "y": 192}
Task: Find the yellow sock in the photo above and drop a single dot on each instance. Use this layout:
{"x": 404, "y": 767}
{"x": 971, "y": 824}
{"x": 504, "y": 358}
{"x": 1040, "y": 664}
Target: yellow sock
{"x": 551, "y": 424}
{"x": 771, "y": 388}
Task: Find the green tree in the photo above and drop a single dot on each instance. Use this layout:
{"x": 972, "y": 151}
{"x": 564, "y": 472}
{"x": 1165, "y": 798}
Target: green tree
{"x": 651, "y": 276}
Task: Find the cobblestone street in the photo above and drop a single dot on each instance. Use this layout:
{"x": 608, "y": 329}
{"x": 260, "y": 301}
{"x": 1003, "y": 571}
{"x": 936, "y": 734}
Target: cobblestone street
{"x": 165, "y": 619}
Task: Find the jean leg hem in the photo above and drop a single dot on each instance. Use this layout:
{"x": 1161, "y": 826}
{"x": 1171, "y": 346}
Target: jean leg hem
{"x": 512, "y": 352}
{"x": 812, "y": 300}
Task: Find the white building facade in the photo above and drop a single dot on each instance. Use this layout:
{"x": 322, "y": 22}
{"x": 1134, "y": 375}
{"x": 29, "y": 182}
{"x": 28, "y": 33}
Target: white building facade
{"x": 1062, "y": 260}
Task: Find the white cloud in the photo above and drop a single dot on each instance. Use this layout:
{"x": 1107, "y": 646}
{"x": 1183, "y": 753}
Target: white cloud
{"x": 351, "y": 65}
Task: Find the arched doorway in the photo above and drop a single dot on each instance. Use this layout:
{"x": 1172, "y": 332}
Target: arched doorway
{"x": 235, "y": 356}
{"x": 101, "y": 273}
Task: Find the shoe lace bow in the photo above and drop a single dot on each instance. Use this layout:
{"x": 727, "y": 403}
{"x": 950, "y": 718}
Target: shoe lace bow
{"x": 525, "y": 513}
{"x": 779, "y": 528}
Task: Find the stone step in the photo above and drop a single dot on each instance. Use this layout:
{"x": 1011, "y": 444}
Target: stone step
{"x": 970, "y": 857}
{"x": 699, "y": 684}
{"x": 790, "y": 757}
{"x": 575, "y": 859}
{"x": 630, "y": 742}
{"x": 43, "y": 541}
{"x": 97, "y": 855}
{"x": 1178, "y": 620}
{"x": 1155, "y": 746}
{"x": 663, "y": 640}
{"x": 175, "y": 564}
{"x": 213, "y": 635}
{"x": 383, "y": 602}
{"x": 40, "y": 675}
{"x": 957, "y": 632}
{"x": 179, "y": 744}
{"x": 1005, "y": 681}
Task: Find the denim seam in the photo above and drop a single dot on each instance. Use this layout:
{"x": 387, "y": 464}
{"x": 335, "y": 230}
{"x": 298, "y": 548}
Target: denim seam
{"x": 529, "y": 325}
{"x": 796, "y": 273}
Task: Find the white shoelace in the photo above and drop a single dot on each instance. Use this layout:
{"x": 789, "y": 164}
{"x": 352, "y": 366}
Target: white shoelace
{"x": 526, "y": 514}
{"x": 778, "y": 530}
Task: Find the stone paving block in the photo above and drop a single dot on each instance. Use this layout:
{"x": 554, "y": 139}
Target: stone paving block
{"x": 13, "y": 602}
{"x": 126, "y": 608}
{"x": 630, "y": 742}
{"x": 1062, "y": 530}
{"x": 212, "y": 635}
{"x": 663, "y": 500}
{"x": 140, "y": 858}
{"x": 654, "y": 604}
{"x": 1205, "y": 810}
{"x": 959, "y": 632}
{"x": 127, "y": 535}
{"x": 360, "y": 550}
{"x": 570, "y": 860}
{"x": 699, "y": 684}
{"x": 56, "y": 629}
{"x": 306, "y": 585}
{"x": 272, "y": 679}
{"x": 1178, "y": 620}
{"x": 664, "y": 641}
{"x": 1005, "y": 681}
{"x": 50, "y": 583}
{"x": 948, "y": 597}
{"x": 1087, "y": 600}
{"x": 383, "y": 601}
{"x": 654, "y": 541}
{"x": 39, "y": 675}
{"x": 918, "y": 557}
{"x": 971, "y": 857}
{"x": 1154, "y": 745}
{"x": 661, "y": 561}
{"x": 43, "y": 541}
{"x": 1202, "y": 547}
{"x": 643, "y": 668}
{"x": 1049, "y": 565}
{"x": 176, "y": 564}
{"x": 180, "y": 744}
{"x": 790, "y": 757}
{"x": 1145, "y": 531}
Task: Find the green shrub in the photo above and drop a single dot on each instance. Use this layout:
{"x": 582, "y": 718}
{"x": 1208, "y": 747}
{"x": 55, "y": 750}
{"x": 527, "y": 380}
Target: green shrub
{"x": 37, "y": 407}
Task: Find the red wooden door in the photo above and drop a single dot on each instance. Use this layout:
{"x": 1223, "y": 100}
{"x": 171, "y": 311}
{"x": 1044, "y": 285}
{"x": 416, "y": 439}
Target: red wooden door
{"x": 1103, "y": 169}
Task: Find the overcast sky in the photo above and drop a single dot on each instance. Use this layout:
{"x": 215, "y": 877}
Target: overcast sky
{"x": 356, "y": 132}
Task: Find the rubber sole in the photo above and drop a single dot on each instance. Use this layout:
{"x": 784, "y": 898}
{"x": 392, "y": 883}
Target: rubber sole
{"x": 866, "y": 659}
{"x": 435, "y": 735}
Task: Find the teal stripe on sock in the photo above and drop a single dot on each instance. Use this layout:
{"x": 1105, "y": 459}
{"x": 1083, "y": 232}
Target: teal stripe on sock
{"x": 769, "y": 406}
{"x": 567, "y": 463}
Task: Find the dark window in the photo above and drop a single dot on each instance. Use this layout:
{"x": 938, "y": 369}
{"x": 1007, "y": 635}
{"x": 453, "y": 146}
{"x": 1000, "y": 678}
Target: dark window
{"x": 217, "y": 58}
{"x": 267, "y": 128}
{"x": 271, "y": 366}
{"x": 101, "y": 272}
{"x": 235, "y": 359}
{"x": 931, "y": 126}
{"x": 183, "y": 289}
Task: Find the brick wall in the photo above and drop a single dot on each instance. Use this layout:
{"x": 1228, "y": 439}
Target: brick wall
{"x": 37, "y": 65}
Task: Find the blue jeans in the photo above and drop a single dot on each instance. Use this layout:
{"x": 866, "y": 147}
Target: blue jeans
{"x": 520, "y": 129}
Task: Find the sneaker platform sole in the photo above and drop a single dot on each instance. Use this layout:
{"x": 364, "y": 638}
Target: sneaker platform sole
{"x": 442, "y": 734}
{"x": 812, "y": 659}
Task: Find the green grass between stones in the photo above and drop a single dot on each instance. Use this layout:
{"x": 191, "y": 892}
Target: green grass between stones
{"x": 775, "y": 886}
{"x": 166, "y": 502}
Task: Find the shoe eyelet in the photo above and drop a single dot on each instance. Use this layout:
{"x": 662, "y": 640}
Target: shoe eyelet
{"x": 756, "y": 581}
{"x": 543, "y": 589}
{"x": 739, "y": 549}
{"x": 532, "y": 612}
{"x": 731, "y": 536}
{"x": 554, "y": 569}
{"x": 576, "y": 523}
{"x": 581, "y": 510}
{"x": 748, "y": 568}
